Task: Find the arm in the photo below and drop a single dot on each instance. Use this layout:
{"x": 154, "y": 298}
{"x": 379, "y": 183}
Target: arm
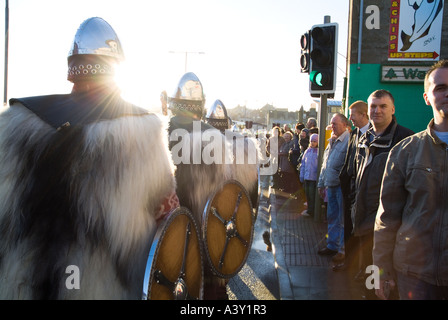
{"x": 320, "y": 181}
{"x": 388, "y": 219}
{"x": 302, "y": 171}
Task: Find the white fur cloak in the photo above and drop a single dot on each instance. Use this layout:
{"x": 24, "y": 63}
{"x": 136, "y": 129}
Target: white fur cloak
{"x": 198, "y": 177}
{"x": 89, "y": 201}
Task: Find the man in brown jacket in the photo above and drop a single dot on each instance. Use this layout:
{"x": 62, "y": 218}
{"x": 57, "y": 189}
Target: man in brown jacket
{"x": 411, "y": 228}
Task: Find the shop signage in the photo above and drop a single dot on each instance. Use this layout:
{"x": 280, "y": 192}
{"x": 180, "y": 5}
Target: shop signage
{"x": 390, "y": 73}
{"x": 415, "y": 30}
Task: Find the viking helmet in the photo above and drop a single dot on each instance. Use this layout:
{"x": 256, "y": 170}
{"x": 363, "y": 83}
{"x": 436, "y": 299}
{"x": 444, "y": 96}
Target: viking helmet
{"x": 217, "y": 116}
{"x": 94, "y": 52}
{"x": 188, "y": 97}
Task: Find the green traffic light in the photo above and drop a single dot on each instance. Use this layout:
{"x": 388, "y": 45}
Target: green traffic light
{"x": 316, "y": 78}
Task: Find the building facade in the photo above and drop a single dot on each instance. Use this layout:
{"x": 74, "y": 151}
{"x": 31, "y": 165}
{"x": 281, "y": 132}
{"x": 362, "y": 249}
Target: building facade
{"x": 391, "y": 44}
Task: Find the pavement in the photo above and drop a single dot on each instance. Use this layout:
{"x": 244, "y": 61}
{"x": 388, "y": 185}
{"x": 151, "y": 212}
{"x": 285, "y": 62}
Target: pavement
{"x": 292, "y": 270}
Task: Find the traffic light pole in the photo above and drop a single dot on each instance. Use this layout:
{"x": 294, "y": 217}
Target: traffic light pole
{"x": 323, "y": 114}
{"x": 319, "y": 59}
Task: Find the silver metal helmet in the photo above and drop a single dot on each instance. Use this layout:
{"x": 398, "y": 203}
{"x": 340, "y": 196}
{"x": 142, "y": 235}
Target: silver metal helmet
{"x": 95, "y": 50}
{"x": 217, "y": 116}
{"x": 188, "y": 97}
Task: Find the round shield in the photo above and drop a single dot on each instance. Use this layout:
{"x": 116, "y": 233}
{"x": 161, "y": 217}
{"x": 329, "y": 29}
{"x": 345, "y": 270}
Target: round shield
{"x": 227, "y": 229}
{"x": 174, "y": 269}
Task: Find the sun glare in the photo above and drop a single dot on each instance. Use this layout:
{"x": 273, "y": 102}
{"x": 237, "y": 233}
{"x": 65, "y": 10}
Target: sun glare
{"x": 134, "y": 88}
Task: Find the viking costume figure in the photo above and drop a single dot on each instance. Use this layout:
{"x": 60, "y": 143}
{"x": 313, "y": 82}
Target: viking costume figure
{"x": 217, "y": 116}
{"x": 201, "y": 172}
{"x": 244, "y": 172}
{"x": 84, "y": 178}
{"x": 197, "y": 179}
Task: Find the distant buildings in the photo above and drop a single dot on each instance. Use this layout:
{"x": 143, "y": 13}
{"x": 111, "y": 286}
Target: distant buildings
{"x": 266, "y": 116}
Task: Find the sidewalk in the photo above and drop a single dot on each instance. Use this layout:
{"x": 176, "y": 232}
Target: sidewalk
{"x": 292, "y": 270}
{"x": 302, "y": 273}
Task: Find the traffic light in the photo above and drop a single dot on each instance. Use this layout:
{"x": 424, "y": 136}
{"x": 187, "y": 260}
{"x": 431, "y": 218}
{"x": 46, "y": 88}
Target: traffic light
{"x": 305, "y": 53}
{"x": 323, "y": 59}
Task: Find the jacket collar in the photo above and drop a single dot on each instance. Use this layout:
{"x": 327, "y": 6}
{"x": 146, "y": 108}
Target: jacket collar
{"x": 343, "y": 136}
{"x": 382, "y": 141}
{"x": 432, "y": 134}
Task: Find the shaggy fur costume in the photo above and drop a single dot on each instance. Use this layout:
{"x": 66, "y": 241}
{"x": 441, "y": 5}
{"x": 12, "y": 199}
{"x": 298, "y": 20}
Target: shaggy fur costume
{"x": 196, "y": 182}
{"x": 86, "y": 196}
{"x": 211, "y": 160}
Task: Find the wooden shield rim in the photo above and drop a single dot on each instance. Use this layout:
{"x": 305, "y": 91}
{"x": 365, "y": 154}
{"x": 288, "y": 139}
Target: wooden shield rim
{"x": 156, "y": 244}
{"x": 206, "y": 214}
{"x": 255, "y": 206}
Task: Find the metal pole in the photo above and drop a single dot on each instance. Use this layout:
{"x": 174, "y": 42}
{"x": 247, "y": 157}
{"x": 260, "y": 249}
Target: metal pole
{"x": 323, "y": 114}
{"x": 361, "y": 12}
{"x": 5, "y": 83}
{"x": 186, "y": 56}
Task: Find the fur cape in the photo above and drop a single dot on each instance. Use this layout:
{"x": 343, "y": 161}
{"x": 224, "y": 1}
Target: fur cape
{"x": 197, "y": 181}
{"x": 84, "y": 196}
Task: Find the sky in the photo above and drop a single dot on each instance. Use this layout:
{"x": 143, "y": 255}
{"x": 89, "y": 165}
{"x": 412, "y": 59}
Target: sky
{"x": 250, "y": 48}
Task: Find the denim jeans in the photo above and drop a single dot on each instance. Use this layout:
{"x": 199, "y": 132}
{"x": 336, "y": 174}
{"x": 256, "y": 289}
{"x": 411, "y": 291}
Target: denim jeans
{"x": 411, "y": 288}
{"x": 335, "y": 219}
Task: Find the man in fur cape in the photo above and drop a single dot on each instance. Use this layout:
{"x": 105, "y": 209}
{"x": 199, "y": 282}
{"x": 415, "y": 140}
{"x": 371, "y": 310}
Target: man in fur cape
{"x": 83, "y": 178}
{"x": 205, "y": 159}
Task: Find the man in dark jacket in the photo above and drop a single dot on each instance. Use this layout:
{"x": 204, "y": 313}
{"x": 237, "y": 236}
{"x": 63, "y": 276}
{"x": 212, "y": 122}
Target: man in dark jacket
{"x": 360, "y": 119}
{"x": 296, "y": 151}
{"x": 370, "y": 160}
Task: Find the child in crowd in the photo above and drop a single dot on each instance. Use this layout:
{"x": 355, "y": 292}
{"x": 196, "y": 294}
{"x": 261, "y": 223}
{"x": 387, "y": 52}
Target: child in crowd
{"x": 308, "y": 173}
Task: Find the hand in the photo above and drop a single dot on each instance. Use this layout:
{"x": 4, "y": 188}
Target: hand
{"x": 385, "y": 287}
{"x": 321, "y": 192}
